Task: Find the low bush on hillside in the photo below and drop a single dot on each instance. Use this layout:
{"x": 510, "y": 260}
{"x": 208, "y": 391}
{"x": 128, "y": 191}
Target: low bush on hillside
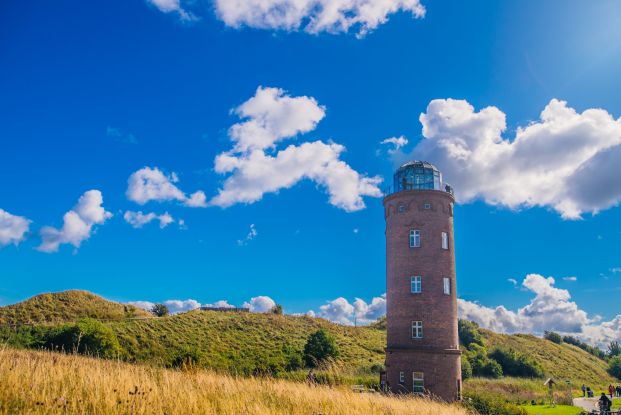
{"x": 517, "y": 364}
{"x": 469, "y": 333}
{"x": 87, "y": 336}
{"x": 475, "y": 358}
{"x": 614, "y": 367}
{"x": 319, "y": 347}
{"x": 553, "y": 337}
{"x": 488, "y": 404}
{"x": 595, "y": 351}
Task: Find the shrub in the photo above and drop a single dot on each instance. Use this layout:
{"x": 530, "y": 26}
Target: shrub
{"x": 595, "y": 351}
{"x": 87, "y": 336}
{"x": 187, "y": 358}
{"x": 517, "y": 364}
{"x": 319, "y": 347}
{"x": 160, "y": 310}
{"x": 466, "y": 368}
{"x": 614, "y": 367}
{"x": 553, "y": 337}
{"x": 487, "y": 404}
{"x": 469, "y": 333}
{"x": 277, "y": 309}
{"x": 481, "y": 364}
{"x": 614, "y": 349}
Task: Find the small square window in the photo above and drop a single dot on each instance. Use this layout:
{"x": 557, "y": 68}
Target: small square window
{"x": 414, "y": 238}
{"x": 401, "y": 208}
{"x": 427, "y": 206}
{"x": 402, "y": 377}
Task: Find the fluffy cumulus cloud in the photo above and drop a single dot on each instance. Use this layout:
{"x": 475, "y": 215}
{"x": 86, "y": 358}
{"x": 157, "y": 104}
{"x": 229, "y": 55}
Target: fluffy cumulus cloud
{"x": 255, "y": 166}
{"x": 314, "y": 16}
{"x": 13, "y": 228}
{"x": 342, "y": 311}
{"x": 529, "y": 170}
{"x": 172, "y": 6}
{"x": 550, "y": 309}
{"x": 78, "y": 223}
{"x": 139, "y": 219}
{"x": 260, "y": 304}
{"x": 151, "y": 184}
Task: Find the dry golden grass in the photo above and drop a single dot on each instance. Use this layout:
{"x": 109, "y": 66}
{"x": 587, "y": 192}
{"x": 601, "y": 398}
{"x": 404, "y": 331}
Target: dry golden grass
{"x": 50, "y": 383}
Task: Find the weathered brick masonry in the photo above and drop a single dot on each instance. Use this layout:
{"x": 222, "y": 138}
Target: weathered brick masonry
{"x": 436, "y": 354}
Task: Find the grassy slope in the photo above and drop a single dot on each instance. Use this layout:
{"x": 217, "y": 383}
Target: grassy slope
{"x": 226, "y": 339}
{"x": 240, "y": 341}
{"x": 66, "y": 306}
{"x": 47, "y": 383}
{"x": 560, "y": 361}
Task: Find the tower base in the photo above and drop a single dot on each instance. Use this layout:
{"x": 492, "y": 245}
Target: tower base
{"x": 440, "y": 368}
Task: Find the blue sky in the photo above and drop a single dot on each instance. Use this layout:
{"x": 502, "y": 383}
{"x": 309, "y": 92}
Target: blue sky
{"x": 92, "y": 92}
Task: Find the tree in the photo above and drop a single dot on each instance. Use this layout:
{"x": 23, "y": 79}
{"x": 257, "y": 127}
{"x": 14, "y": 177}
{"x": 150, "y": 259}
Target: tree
{"x": 319, "y": 347}
{"x": 614, "y": 367}
{"x": 614, "y": 349}
{"x": 553, "y": 337}
{"x": 277, "y": 309}
{"x": 160, "y": 310}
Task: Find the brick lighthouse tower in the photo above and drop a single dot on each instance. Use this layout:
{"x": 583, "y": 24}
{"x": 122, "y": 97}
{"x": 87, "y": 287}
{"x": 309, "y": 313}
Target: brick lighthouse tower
{"x": 422, "y": 353}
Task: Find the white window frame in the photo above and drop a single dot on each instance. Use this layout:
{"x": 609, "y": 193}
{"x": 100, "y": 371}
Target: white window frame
{"x": 401, "y": 208}
{"x": 446, "y": 285}
{"x": 416, "y": 284}
{"x": 445, "y": 241}
{"x": 402, "y": 377}
{"x": 418, "y": 382}
{"x": 417, "y": 329}
{"x": 414, "y": 238}
{"x": 427, "y": 206}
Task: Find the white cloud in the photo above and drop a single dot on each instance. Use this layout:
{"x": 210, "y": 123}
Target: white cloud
{"x": 145, "y": 305}
{"x": 341, "y": 311}
{"x": 260, "y": 304}
{"x": 570, "y": 278}
{"x": 512, "y": 281}
{"x": 13, "y": 228}
{"x": 220, "y": 304}
{"x": 151, "y": 184}
{"x": 181, "y": 306}
{"x": 550, "y": 309}
{"x": 172, "y": 6}
{"x": 396, "y": 142}
{"x": 121, "y": 136}
{"x": 615, "y": 270}
{"x": 568, "y": 161}
{"x": 252, "y": 233}
{"x": 272, "y": 117}
{"x": 139, "y": 219}
{"x": 314, "y": 16}
{"x": 77, "y": 223}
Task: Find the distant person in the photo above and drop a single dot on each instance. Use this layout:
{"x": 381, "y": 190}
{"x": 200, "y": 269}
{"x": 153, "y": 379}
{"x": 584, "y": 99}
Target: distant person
{"x": 604, "y": 404}
{"x": 611, "y": 391}
{"x": 618, "y": 390}
{"x": 583, "y": 390}
{"x": 590, "y": 393}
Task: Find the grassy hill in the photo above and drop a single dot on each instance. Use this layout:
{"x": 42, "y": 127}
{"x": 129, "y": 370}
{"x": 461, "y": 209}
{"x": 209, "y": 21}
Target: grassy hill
{"x": 46, "y": 383}
{"x": 66, "y": 306}
{"x": 248, "y": 343}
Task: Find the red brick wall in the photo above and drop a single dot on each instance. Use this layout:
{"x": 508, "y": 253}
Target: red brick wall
{"x": 437, "y": 353}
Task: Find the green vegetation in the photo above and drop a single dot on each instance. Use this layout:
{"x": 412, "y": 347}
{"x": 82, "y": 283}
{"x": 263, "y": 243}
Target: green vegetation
{"x": 65, "y": 307}
{"x": 250, "y": 343}
{"x": 553, "y": 337}
{"x": 277, "y": 309}
{"x": 614, "y": 367}
{"x": 87, "y": 336}
{"x": 489, "y": 404}
{"x": 160, "y": 310}
{"x": 614, "y": 349}
{"x": 319, "y": 348}
{"x": 584, "y": 346}
{"x": 552, "y": 410}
